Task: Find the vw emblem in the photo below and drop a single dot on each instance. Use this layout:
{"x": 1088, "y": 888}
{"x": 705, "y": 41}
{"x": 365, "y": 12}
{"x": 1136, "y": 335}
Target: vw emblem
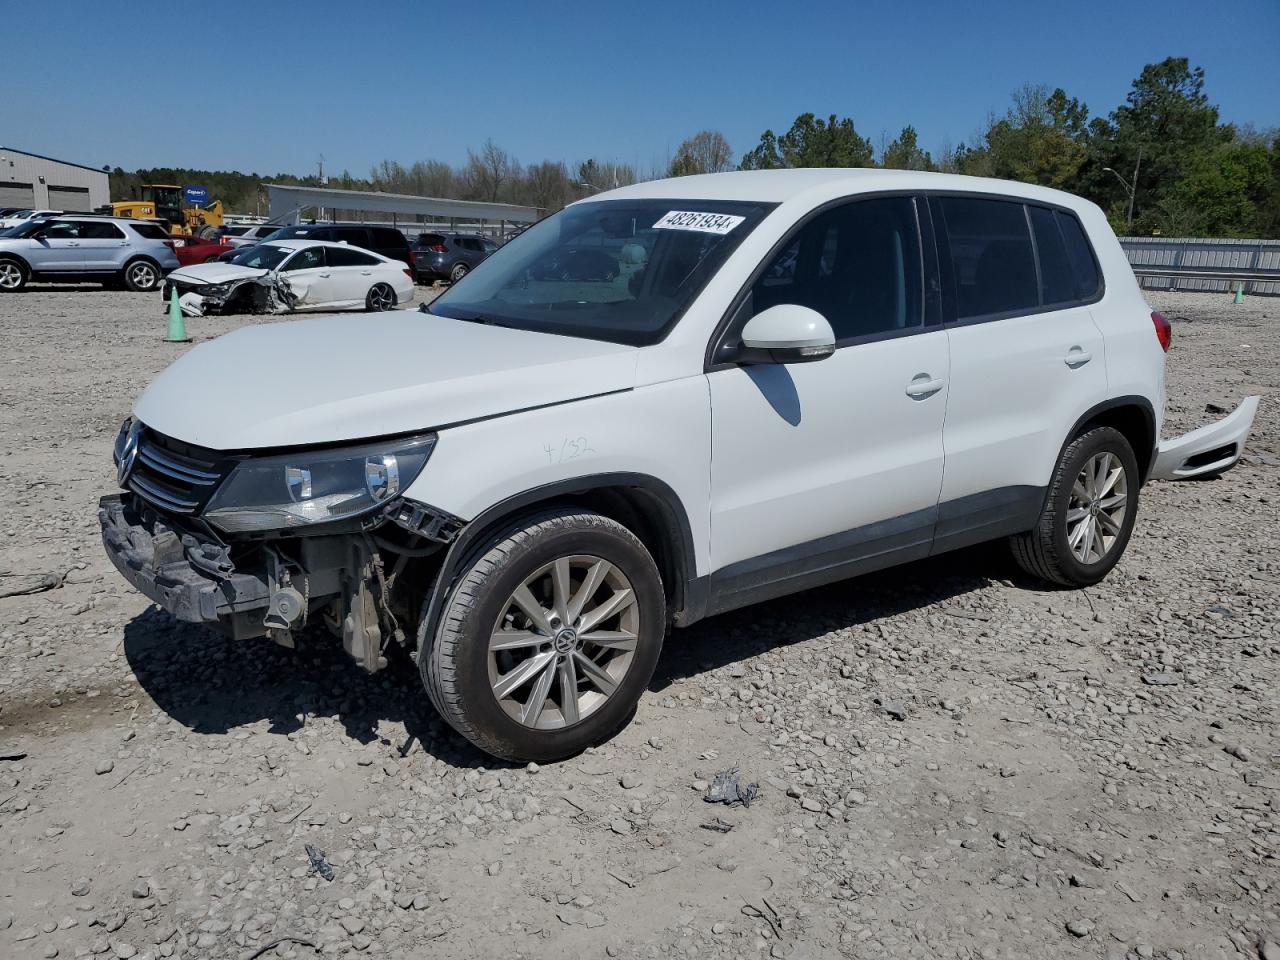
{"x": 128, "y": 453}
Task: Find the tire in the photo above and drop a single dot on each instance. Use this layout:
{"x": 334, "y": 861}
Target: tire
{"x": 458, "y": 272}
{"x": 379, "y": 298}
{"x": 528, "y": 720}
{"x": 13, "y": 275}
{"x": 213, "y": 259}
{"x": 1069, "y": 546}
{"x": 141, "y": 276}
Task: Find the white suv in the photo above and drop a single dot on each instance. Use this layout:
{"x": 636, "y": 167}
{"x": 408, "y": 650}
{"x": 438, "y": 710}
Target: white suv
{"x": 665, "y": 402}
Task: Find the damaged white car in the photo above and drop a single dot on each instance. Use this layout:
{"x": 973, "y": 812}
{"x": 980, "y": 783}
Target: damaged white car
{"x": 288, "y": 275}
{"x": 660, "y": 404}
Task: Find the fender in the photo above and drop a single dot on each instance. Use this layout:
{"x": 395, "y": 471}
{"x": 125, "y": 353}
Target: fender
{"x": 687, "y": 600}
{"x": 1142, "y": 403}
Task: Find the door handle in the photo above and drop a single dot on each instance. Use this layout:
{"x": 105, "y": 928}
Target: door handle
{"x": 1077, "y": 357}
{"x": 366, "y": 273}
{"x": 922, "y": 386}
{"x": 324, "y": 275}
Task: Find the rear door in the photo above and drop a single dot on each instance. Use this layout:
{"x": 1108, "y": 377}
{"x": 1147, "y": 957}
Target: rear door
{"x": 1026, "y": 361}
{"x": 103, "y": 245}
{"x": 57, "y": 248}
{"x": 351, "y": 273}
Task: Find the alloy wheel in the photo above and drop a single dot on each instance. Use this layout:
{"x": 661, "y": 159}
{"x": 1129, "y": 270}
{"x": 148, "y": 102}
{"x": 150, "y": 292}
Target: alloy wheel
{"x": 10, "y": 275}
{"x": 1096, "y": 509}
{"x": 381, "y": 298}
{"x": 143, "y": 276}
{"x": 563, "y": 642}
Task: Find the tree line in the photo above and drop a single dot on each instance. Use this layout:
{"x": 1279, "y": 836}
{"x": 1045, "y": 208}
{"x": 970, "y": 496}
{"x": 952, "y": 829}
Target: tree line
{"x": 1162, "y": 162}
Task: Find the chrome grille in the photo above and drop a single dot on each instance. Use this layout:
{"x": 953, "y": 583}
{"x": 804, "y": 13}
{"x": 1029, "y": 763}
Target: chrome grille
{"x": 174, "y": 477}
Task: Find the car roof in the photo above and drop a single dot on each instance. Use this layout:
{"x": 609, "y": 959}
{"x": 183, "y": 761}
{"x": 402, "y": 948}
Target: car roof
{"x": 301, "y": 242}
{"x": 780, "y": 186}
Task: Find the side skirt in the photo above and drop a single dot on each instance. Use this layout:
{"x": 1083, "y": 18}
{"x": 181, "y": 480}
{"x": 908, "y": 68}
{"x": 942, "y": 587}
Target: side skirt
{"x": 876, "y": 546}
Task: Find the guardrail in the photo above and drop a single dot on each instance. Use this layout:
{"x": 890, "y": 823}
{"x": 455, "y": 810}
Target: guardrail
{"x": 1203, "y": 264}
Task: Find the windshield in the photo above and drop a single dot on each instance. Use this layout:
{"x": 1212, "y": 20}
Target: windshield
{"x": 616, "y": 270}
{"x": 262, "y": 256}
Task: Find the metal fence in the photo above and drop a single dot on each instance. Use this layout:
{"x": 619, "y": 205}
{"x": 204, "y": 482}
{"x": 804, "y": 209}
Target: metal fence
{"x": 1190, "y": 263}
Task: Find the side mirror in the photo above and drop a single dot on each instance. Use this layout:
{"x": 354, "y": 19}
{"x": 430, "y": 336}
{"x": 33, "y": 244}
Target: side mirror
{"x": 787, "y": 333}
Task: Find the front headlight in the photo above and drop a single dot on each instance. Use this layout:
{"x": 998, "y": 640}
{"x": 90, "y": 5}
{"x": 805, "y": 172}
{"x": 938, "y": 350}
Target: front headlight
{"x": 297, "y": 489}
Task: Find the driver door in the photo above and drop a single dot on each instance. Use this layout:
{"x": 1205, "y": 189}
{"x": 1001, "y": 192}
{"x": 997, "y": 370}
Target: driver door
{"x": 309, "y": 277}
{"x": 56, "y": 249}
{"x": 826, "y": 469}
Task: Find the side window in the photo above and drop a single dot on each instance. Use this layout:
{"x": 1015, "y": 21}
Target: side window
{"x": 991, "y": 256}
{"x": 305, "y": 259}
{"x": 385, "y": 239}
{"x": 352, "y": 235}
{"x": 858, "y": 265}
{"x": 61, "y": 230}
{"x": 100, "y": 231}
{"x": 347, "y": 257}
{"x": 1084, "y": 267}
{"x": 151, "y": 231}
{"x": 490, "y": 246}
{"x": 1056, "y": 282}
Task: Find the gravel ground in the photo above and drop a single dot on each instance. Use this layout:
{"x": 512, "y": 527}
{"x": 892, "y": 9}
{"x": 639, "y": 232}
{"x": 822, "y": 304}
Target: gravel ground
{"x": 952, "y": 761}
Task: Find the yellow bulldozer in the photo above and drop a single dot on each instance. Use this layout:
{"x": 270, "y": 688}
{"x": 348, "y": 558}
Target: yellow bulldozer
{"x": 163, "y": 201}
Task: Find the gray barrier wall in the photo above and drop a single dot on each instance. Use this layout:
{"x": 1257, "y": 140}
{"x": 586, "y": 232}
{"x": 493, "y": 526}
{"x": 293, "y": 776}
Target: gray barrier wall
{"x": 1191, "y": 253}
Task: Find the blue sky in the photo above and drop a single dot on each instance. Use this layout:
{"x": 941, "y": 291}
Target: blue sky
{"x": 269, "y": 86}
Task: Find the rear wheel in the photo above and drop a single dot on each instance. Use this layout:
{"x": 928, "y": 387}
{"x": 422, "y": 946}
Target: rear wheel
{"x": 13, "y": 275}
{"x": 458, "y": 272}
{"x": 381, "y": 297}
{"x": 549, "y": 638}
{"x": 1088, "y": 514}
{"x": 141, "y": 275}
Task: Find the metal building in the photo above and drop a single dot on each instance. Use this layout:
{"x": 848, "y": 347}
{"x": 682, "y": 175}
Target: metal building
{"x": 30, "y": 180}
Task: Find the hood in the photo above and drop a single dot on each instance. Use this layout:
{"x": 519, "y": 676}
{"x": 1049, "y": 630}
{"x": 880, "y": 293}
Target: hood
{"x": 215, "y": 273}
{"x": 354, "y": 377}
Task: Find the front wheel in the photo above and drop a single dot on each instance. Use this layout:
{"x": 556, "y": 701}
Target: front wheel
{"x": 1088, "y": 514}
{"x": 549, "y": 638}
{"x": 13, "y": 275}
{"x": 380, "y": 298}
{"x": 458, "y": 272}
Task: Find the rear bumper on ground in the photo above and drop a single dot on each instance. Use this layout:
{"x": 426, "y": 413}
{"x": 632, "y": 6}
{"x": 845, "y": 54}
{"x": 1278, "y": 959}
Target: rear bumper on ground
{"x": 1210, "y": 450}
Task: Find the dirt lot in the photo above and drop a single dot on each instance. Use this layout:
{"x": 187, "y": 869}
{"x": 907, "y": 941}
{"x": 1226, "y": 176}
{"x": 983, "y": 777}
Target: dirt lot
{"x": 1076, "y": 774}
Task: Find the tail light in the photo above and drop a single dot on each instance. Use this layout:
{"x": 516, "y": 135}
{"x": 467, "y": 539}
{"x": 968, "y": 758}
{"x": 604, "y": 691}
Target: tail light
{"x": 438, "y": 248}
{"x": 408, "y": 273}
{"x": 1164, "y": 330}
{"x": 413, "y": 259}
{"x": 170, "y": 245}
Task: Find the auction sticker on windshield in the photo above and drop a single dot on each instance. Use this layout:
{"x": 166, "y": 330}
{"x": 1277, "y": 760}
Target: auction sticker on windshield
{"x": 720, "y": 223}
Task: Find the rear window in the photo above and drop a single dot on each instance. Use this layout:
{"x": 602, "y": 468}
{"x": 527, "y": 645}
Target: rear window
{"x": 234, "y": 231}
{"x": 152, "y": 231}
{"x": 430, "y": 240}
{"x": 992, "y": 259}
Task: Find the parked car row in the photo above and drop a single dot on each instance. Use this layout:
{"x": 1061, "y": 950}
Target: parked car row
{"x": 12, "y": 216}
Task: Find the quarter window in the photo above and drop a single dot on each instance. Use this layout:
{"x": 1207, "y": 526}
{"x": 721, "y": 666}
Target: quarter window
{"x": 991, "y": 255}
{"x": 1083, "y": 266}
{"x": 858, "y": 265}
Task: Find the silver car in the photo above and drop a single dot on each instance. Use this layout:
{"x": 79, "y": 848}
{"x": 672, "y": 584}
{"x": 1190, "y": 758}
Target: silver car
{"x": 74, "y": 249}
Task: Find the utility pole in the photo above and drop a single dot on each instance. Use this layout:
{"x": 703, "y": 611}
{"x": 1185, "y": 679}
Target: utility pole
{"x": 321, "y": 179}
{"x": 1130, "y": 188}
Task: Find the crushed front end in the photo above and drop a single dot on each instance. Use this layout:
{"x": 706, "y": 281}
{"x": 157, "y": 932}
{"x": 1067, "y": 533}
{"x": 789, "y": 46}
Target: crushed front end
{"x": 261, "y": 545}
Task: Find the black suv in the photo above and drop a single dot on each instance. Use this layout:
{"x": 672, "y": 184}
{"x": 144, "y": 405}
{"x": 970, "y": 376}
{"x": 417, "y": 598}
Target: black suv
{"x": 448, "y": 256}
{"x": 387, "y": 241}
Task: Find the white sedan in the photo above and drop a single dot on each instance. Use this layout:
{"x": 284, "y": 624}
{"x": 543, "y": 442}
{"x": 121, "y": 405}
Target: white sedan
{"x": 287, "y": 275}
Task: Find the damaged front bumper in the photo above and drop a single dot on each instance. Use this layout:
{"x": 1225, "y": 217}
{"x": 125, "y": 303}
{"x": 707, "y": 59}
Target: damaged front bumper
{"x": 361, "y": 585}
{"x": 269, "y": 293}
{"x": 1208, "y": 451}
